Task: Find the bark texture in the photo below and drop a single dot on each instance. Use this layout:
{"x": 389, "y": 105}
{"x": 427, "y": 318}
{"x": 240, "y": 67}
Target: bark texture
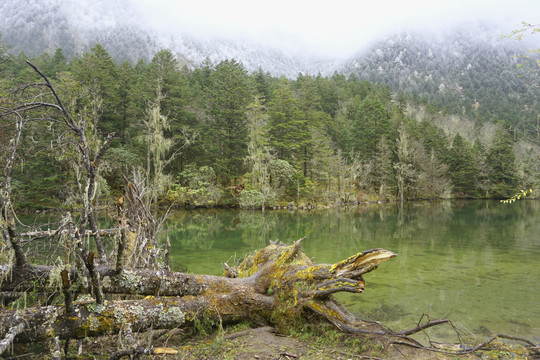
{"x": 279, "y": 285}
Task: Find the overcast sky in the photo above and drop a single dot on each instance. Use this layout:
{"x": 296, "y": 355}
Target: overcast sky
{"x": 332, "y": 27}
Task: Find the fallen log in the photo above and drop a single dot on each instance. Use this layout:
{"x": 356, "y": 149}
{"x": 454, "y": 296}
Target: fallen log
{"x": 129, "y": 281}
{"x": 39, "y": 234}
{"x": 279, "y": 285}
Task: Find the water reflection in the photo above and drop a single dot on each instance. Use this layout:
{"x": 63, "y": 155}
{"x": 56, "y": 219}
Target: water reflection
{"x": 475, "y": 262}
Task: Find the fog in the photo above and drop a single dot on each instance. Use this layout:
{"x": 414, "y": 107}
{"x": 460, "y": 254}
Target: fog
{"x": 338, "y": 28}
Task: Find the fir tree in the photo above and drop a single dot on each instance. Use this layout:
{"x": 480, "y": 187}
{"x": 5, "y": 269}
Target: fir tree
{"x": 286, "y": 127}
{"x": 383, "y": 170}
{"x": 370, "y": 124}
{"x": 501, "y": 160}
{"x": 231, "y": 93}
{"x": 463, "y": 170}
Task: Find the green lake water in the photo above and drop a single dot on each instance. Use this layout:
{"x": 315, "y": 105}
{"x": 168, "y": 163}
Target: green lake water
{"x": 473, "y": 262}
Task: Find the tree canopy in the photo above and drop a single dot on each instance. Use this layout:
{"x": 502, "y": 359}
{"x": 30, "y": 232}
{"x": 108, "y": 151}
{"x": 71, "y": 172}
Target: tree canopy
{"x": 319, "y": 134}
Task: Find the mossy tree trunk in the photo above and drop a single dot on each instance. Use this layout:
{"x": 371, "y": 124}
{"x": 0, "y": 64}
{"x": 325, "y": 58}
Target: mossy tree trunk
{"x": 279, "y": 285}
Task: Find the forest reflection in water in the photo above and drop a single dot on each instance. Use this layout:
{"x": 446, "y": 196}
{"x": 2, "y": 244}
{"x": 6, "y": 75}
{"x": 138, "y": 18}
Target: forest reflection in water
{"x": 473, "y": 262}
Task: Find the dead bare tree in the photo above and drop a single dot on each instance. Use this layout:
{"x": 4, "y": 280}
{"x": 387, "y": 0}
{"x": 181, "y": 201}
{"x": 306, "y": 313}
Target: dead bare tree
{"x": 89, "y": 166}
{"x": 9, "y": 228}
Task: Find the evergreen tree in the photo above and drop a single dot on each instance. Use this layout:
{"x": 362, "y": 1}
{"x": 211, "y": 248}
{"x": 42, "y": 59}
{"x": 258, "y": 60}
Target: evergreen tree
{"x": 231, "y": 93}
{"x": 433, "y": 182}
{"x": 316, "y": 120}
{"x": 164, "y": 71}
{"x": 5, "y": 59}
{"x": 263, "y": 84}
{"x": 287, "y": 127}
{"x": 370, "y": 124}
{"x": 501, "y": 160}
{"x": 406, "y": 173}
{"x": 157, "y": 145}
{"x": 329, "y": 92}
{"x": 383, "y": 170}
{"x": 463, "y": 170}
{"x": 59, "y": 61}
{"x": 481, "y": 164}
{"x": 98, "y": 73}
{"x": 126, "y": 99}
{"x": 259, "y": 159}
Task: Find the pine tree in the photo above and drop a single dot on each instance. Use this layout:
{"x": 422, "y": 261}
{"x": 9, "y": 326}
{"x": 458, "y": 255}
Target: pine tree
{"x": 462, "y": 168}
{"x": 231, "y": 93}
{"x": 286, "y": 127}
{"x": 371, "y": 122}
{"x": 501, "y": 160}
{"x": 383, "y": 170}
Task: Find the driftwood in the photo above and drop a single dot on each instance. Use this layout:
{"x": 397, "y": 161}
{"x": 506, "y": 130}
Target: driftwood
{"x": 279, "y": 285}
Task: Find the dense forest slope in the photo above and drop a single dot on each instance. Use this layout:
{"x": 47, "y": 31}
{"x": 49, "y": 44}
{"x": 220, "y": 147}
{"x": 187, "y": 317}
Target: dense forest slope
{"x": 213, "y": 122}
{"x": 469, "y": 72}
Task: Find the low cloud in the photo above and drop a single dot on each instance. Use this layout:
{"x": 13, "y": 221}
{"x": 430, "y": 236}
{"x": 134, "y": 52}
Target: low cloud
{"x": 337, "y": 28}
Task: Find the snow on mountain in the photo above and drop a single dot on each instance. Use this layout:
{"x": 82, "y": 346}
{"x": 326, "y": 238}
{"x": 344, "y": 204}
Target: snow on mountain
{"x": 37, "y": 26}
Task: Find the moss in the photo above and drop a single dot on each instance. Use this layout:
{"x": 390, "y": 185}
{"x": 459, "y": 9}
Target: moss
{"x": 172, "y": 316}
{"x": 98, "y": 324}
{"x": 129, "y": 280}
{"x": 276, "y": 254}
{"x": 106, "y": 281}
{"x": 93, "y": 324}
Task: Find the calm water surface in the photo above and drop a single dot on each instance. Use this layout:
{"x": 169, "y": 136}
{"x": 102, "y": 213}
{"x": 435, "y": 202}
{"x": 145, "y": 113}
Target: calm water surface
{"x": 473, "y": 262}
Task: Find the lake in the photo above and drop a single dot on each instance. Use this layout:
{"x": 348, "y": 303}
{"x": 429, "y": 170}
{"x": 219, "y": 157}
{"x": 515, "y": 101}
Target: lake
{"x": 473, "y": 262}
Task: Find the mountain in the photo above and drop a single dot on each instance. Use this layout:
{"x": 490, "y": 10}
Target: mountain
{"x": 37, "y": 26}
{"x": 468, "y": 71}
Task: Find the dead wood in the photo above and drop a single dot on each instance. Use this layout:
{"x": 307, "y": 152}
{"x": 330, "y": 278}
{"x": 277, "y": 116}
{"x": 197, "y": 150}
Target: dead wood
{"x": 40, "y": 234}
{"x": 279, "y": 285}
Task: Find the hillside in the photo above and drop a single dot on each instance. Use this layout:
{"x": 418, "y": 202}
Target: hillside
{"x": 468, "y": 72}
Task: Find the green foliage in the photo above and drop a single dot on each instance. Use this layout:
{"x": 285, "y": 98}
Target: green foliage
{"x": 253, "y": 199}
{"x": 287, "y": 127}
{"x": 526, "y": 29}
{"x": 383, "y": 174}
{"x": 196, "y": 188}
{"x": 97, "y": 72}
{"x": 501, "y": 160}
{"x": 322, "y": 140}
{"x": 463, "y": 169}
{"x": 370, "y": 123}
{"x": 229, "y": 98}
